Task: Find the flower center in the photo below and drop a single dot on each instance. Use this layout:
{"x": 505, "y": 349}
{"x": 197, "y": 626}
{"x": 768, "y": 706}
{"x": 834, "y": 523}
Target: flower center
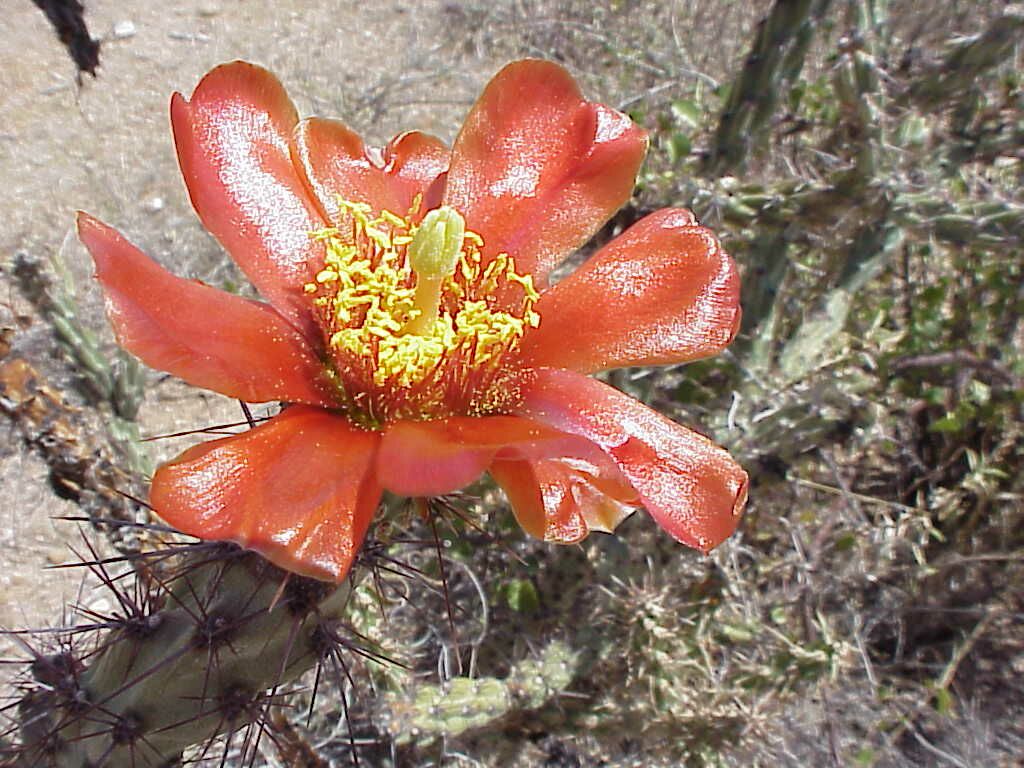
{"x": 411, "y": 315}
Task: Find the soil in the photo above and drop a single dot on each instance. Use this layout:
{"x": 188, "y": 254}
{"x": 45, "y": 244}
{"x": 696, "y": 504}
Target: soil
{"x": 104, "y": 146}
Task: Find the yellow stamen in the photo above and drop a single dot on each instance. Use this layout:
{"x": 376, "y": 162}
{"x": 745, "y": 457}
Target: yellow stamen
{"x": 408, "y": 306}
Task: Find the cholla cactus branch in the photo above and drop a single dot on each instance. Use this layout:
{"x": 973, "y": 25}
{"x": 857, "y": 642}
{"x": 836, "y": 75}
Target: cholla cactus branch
{"x": 969, "y": 59}
{"x": 872, "y": 247}
{"x": 81, "y": 468}
{"x": 772, "y": 66}
{"x": 463, "y": 704}
{"x": 120, "y": 387}
{"x": 116, "y": 383}
{"x": 190, "y": 662}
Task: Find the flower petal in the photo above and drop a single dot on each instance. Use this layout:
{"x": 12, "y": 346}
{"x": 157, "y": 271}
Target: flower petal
{"x": 537, "y": 170}
{"x": 692, "y": 488}
{"x": 233, "y": 139}
{"x": 662, "y": 292}
{"x": 432, "y": 458}
{"x": 561, "y": 500}
{"x": 298, "y": 489}
{"x": 209, "y": 338}
{"x": 336, "y": 164}
{"x": 541, "y": 499}
{"x": 603, "y": 511}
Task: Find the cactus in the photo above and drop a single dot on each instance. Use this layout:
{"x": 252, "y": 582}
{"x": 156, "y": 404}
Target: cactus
{"x": 82, "y": 468}
{"x": 217, "y": 638}
{"x": 872, "y": 247}
{"x": 116, "y": 384}
{"x": 464, "y": 704}
{"x": 875, "y": 133}
{"x": 773, "y": 64}
{"x": 968, "y": 59}
{"x": 190, "y": 660}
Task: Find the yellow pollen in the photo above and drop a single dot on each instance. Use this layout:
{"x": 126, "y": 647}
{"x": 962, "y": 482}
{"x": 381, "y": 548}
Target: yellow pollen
{"x": 411, "y": 314}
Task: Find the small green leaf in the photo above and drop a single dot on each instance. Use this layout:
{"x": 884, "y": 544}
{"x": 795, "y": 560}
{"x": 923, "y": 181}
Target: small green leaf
{"x": 521, "y": 596}
{"x": 952, "y": 423}
{"x": 845, "y": 542}
{"x": 737, "y": 633}
{"x": 679, "y": 146}
{"x": 978, "y": 392}
{"x": 943, "y": 701}
{"x": 865, "y": 757}
{"x": 686, "y": 113}
{"x": 933, "y": 296}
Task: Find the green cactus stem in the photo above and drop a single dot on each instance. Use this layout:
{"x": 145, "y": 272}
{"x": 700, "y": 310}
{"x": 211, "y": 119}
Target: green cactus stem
{"x": 968, "y": 59}
{"x": 191, "y": 661}
{"x": 774, "y": 63}
{"x": 114, "y": 383}
{"x": 463, "y": 704}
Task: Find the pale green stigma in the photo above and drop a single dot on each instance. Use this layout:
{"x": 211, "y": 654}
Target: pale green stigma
{"x": 437, "y": 243}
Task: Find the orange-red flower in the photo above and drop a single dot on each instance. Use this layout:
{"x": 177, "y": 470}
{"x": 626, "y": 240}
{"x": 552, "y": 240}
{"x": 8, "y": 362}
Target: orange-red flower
{"x": 410, "y": 325}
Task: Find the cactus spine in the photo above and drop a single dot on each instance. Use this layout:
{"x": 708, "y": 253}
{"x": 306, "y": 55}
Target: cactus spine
{"x": 464, "y": 704}
{"x": 191, "y": 662}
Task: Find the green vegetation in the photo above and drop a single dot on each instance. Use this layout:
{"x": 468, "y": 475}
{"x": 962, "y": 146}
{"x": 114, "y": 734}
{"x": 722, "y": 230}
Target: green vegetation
{"x": 862, "y": 161}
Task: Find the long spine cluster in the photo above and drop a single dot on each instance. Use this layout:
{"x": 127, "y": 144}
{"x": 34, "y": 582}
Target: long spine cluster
{"x": 206, "y": 648}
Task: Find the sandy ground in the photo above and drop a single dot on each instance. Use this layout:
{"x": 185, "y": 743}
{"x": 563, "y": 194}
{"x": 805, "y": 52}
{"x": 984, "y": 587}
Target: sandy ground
{"x": 106, "y": 148}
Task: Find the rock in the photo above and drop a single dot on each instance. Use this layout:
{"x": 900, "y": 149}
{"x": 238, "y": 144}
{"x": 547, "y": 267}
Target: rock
{"x": 124, "y": 29}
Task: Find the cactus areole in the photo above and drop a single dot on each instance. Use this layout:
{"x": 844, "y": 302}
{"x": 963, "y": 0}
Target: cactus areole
{"x": 410, "y": 328}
